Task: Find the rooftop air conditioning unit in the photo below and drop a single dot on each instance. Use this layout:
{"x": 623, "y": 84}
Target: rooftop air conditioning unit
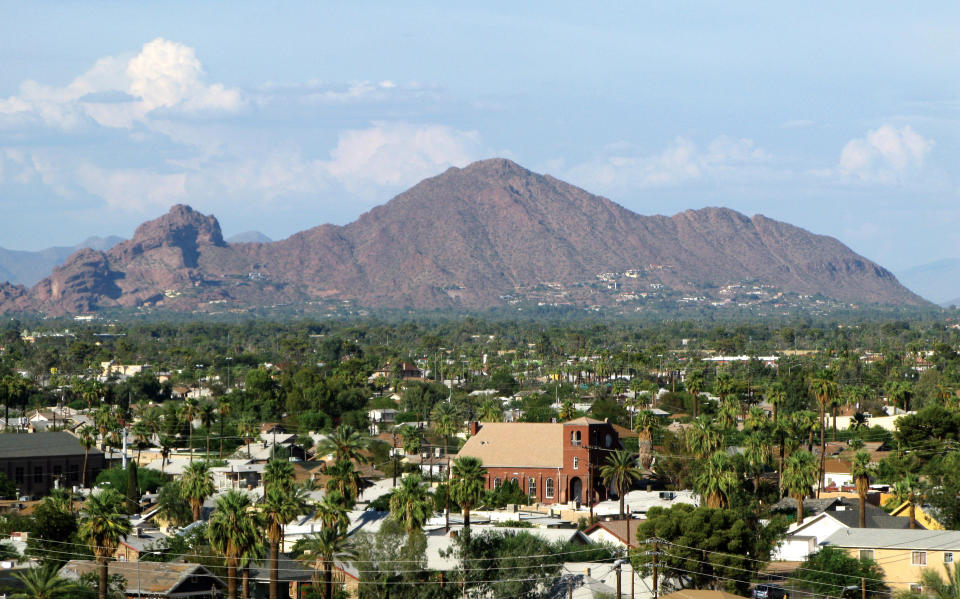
{"x": 667, "y": 495}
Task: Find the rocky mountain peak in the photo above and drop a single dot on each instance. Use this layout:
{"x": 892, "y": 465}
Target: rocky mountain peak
{"x": 181, "y": 228}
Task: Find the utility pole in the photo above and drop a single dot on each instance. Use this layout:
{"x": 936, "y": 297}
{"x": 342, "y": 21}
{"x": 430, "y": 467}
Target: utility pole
{"x": 394, "y": 460}
{"x": 619, "y": 564}
{"x": 863, "y": 588}
{"x": 569, "y": 589}
{"x": 446, "y": 511}
{"x": 656, "y": 558}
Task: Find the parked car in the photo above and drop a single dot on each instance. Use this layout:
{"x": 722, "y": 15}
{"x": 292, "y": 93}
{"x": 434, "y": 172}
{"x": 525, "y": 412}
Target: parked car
{"x": 770, "y": 591}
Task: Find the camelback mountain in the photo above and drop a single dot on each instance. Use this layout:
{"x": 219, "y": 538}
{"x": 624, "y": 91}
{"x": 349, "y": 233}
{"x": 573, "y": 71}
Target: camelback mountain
{"x": 470, "y": 237}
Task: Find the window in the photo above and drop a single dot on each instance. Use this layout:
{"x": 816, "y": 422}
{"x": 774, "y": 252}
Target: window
{"x": 576, "y": 463}
{"x": 866, "y": 554}
{"x": 74, "y": 473}
{"x": 497, "y": 482}
{"x": 948, "y": 557}
{"x": 515, "y": 481}
{"x": 548, "y": 490}
{"x": 575, "y": 438}
{"x": 532, "y": 486}
{"x": 916, "y": 588}
{"x": 18, "y": 474}
{"x": 38, "y": 474}
{"x": 57, "y": 471}
{"x": 918, "y": 558}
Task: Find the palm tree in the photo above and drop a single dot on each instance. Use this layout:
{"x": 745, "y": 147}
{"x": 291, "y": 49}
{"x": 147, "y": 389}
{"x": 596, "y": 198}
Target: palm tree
{"x": 279, "y": 473}
{"x": 804, "y": 423}
{"x": 333, "y": 510}
{"x": 280, "y": 505}
{"x": 246, "y": 429}
{"x": 799, "y": 475}
{"x": 410, "y": 504}
{"x": 345, "y": 478}
{"x": 703, "y": 438}
{"x": 861, "y": 471}
{"x": 232, "y": 529}
{"x": 208, "y": 415}
{"x": 166, "y": 444}
{"x": 223, "y": 411}
{"x": 776, "y": 395}
{"x": 446, "y": 421}
{"x": 935, "y": 586}
{"x": 103, "y": 526}
{"x": 825, "y": 390}
{"x": 88, "y": 439}
{"x": 645, "y": 425}
{"x": 188, "y": 411}
{"x": 253, "y": 553}
{"x": 756, "y": 457}
{"x": 567, "y": 411}
{"x": 141, "y": 437}
{"x": 727, "y": 415}
{"x": 466, "y": 486}
{"x": 491, "y": 410}
{"x": 44, "y": 582}
{"x": 323, "y": 549}
{"x": 621, "y": 470}
{"x": 694, "y": 384}
{"x": 909, "y": 489}
{"x": 345, "y": 444}
{"x": 197, "y": 485}
{"x": 717, "y": 480}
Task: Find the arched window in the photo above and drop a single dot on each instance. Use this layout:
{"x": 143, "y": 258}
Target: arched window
{"x": 515, "y": 481}
{"x": 497, "y": 482}
{"x": 532, "y": 486}
{"x": 575, "y": 438}
{"x": 548, "y": 488}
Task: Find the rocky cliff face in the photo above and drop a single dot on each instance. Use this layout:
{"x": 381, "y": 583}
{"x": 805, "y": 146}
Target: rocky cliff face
{"x": 463, "y": 238}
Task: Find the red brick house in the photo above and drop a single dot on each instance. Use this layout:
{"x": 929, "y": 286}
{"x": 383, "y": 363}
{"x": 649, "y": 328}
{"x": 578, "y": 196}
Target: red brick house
{"x": 552, "y": 462}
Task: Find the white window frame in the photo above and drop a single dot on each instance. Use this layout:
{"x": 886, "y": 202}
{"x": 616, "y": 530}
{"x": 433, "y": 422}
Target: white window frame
{"x": 918, "y": 558}
{"x": 532, "y": 486}
{"x": 548, "y": 488}
{"x": 576, "y": 463}
{"x": 948, "y": 557}
{"x": 867, "y": 554}
{"x": 497, "y": 483}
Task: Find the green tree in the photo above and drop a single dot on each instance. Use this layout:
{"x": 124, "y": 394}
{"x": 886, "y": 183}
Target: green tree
{"x": 103, "y": 527}
{"x": 133, "y": 488}
{"x": 322, "y": 549}
{"x": 410, "y": 504}
{"x": 466, "y": 486}
{"x": 934, "y": 585}
{"x": 188, "y": 411}
{"x": 333, "y": 510}
{"x": 717, "y": 480}
{"x": 491, "y": 410}
{"x": 197, "y": 485}
{"x": 174, "y": 506}
{"x": 44, "y": 582}
{"x": 910, "y": 489}
{"x": 345, "y": 478}
{"x": 694, "y": 382}
{"x": 231, "y": 531}
{"x": 861, "y": 471}
{"x": 446, "y": 421}
{"x": 279, "y": 506}
{"x": 345, "y": 444}
{"x": 799, "y": 475}
{"x": 830, "y": 567}
{"x": 208, "y": 415}
{"x": 621, "y": 470}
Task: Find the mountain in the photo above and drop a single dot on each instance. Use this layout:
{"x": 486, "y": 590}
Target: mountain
{"x": 249, "y": 237}
{"x": 490, "y": 233}
{"x": 27, "y": 268}
{"x": 937, "y": 281}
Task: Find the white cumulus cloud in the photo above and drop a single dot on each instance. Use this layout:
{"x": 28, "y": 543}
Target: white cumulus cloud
{"x": 884, "y": 155}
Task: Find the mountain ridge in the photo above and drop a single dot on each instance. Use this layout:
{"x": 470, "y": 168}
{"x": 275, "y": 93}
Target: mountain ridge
{"x": 470, "y": 238}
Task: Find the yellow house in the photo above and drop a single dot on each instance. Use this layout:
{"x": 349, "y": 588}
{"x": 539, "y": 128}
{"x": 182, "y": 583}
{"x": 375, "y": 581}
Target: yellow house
{"x": 924, "y": 519}
{"x": 902, "y": 554}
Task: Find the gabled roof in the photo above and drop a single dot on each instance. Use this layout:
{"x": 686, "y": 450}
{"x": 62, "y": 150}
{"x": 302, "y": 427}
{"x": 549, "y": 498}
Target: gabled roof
{"x": 701, "y": 594}
{"x": 584, "y": 420}
{"x": 617, "y": 528}
{"x": 896, "y": 538}
{"x": 517, "y": 444}
{"x": 156, "y": 578}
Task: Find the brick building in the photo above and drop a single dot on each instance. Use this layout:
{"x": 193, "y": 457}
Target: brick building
{"x": 552, "y": 462}
{"x": 35, "y": 462}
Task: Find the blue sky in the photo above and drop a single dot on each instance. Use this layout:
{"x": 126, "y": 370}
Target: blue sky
{"x": 838, "y": 117}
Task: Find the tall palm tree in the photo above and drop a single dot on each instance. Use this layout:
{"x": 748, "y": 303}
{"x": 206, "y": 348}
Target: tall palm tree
{"x": 861, "y": 471}
{"x": 727, "y": 415}
{"x": 279, "y": 506}
{"x": 208, "y": 415}
{"x": 279, "y": 473}
{"x": 410, "y": 504}
{"x": 44, "y": 582}
{"x": 188, "y": 411}
{"x": 88, "y": 439}
{"x": 253, "y": 553}
{"x": 621, "y": 470}
{"x": 223, "y": 411}
{"x": 333, "y": 510}
{"x": 703, "y": 438}
{"x": 909, "y": 489}
{"x": 141, "y": 437}
{"x": 825, "y": 390}
{"x": 646, "y": 424}
{"x": 247, "y": 428}
{"x": 694, "y": 383}
{"x": 936, "y": 587}
{"x": 103, "y": 526}
{"x": 567, "y": 411}
{"x": 756, "y": 457}
{"x": 799, "y": 475}
{"x": 776, "y": 395}
{"x": 197, "y": 485}
{"x": 446, "y": 420}
{"x": 345, "y": 478}
{"x": 491, "y": 410}
{"x": 804, "y": 424}
{"x": 166, "y": 445}
{"x": 717, "y": 480}
{"x": 323, "y": 549}
{"x": 466, "y": 486}
{"x": 345, "y": 444}
{"x": 232, "y": 529}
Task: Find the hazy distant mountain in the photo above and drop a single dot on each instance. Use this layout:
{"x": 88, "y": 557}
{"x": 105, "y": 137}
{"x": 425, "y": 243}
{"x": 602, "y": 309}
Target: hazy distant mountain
{"x": 26, "y": 268}
{"x": 473, "y": 238}
{"x": 249, "y": 237}
{"x": 937, "y": 281}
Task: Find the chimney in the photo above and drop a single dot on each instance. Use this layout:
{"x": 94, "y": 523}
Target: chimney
{"x": 474, "y": 427}
{"x": 587, "y": 572}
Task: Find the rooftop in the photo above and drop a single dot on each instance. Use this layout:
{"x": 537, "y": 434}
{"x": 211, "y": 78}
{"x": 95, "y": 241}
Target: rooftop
{"x": 896, "y": 538}
{"x": 37, "y": 445}
{"x": 530, "y": 444}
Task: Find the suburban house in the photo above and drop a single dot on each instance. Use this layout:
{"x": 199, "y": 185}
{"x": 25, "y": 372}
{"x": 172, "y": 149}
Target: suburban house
{"x": 901, "y": 554}
{"x": 155, "y": 579}
{"x": 38, "y": 462}
{"x": 614, "y": 532}
{"x": 925, "y": 515}
{"x": 805, "y": 539}
{"x": 551, "y": 462}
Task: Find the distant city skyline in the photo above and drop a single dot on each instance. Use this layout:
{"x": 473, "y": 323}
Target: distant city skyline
{"x": 842, "y": 119}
